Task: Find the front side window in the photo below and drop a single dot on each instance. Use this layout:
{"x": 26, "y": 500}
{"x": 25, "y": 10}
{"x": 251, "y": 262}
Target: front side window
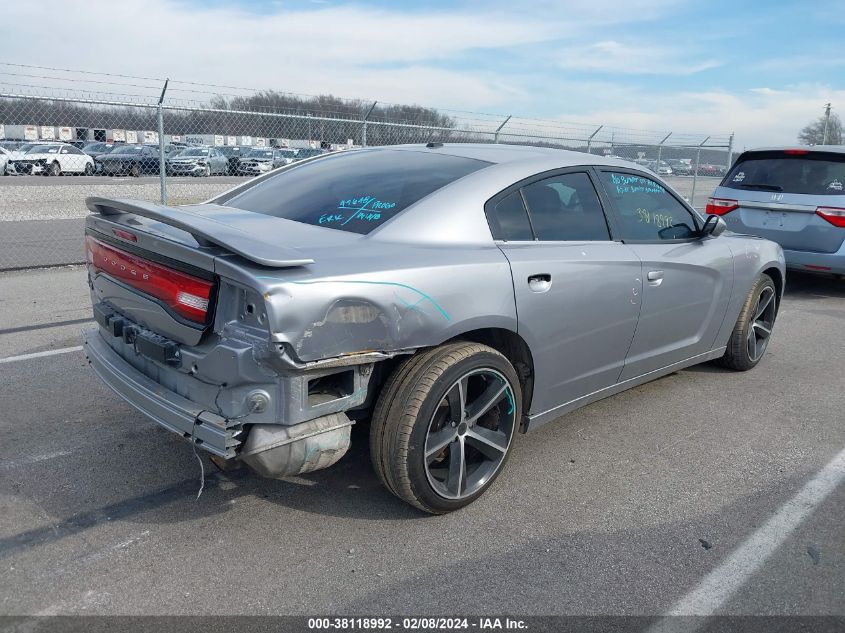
{"x": 353, "y": 191}
{"x": 645, "y": 211}
{"x": 566, "y": 208}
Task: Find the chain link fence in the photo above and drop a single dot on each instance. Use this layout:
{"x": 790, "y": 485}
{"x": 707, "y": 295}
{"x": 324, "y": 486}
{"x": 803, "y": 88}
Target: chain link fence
{"x": 59, "y": 145}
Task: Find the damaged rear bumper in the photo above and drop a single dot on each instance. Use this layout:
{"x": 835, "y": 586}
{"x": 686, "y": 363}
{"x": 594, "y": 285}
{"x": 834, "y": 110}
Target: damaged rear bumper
{"x": 272, "y": 450}
{"x": 209, "y": 430}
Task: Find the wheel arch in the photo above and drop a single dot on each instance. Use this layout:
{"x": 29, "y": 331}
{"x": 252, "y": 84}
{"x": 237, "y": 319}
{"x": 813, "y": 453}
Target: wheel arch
{"x": 513, "y": 347}
{"x": 777, "y": 278}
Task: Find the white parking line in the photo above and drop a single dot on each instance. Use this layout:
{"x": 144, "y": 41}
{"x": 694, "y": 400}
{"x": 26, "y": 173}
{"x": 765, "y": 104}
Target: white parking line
{"x": 724, "y": 581}
{"x": 50, "y": 352}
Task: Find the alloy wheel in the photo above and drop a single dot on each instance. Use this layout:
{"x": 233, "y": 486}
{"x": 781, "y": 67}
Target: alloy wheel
{"x": 470, "y": 433}
{"x": 762, "y": 323}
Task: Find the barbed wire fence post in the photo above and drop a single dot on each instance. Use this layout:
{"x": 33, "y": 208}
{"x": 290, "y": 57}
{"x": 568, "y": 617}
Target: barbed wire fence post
{"x": 364, "y": 124}
{"x": 590, "y": 139}
{"x": 162, "y": 168}
{"x": 499, "y": 129}
{"x": 730, "y": 153}
{"x": 660, "y": 150}
{"x": 697, "y": 167}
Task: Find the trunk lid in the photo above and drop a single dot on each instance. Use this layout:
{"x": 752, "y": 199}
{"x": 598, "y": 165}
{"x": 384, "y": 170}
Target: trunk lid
{"x": 253, "y": 236}
{"x": 158, "y": 266}
{"x": 791, "y": 221}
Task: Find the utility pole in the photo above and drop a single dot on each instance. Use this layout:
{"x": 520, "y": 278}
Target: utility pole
{"x": 826, "y": 123}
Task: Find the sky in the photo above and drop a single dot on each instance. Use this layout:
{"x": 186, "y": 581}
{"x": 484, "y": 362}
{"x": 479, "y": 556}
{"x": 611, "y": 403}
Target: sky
{"x": 761, "y": 69}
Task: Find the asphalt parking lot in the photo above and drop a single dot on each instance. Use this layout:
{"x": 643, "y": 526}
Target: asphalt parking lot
{"x": 628, "y": 506}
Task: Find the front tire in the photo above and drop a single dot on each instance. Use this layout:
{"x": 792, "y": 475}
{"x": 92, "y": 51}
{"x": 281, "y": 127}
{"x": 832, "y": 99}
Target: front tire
{"x": 753, "y": 330}
{"x": 55, "y": 169}
{"x": 135, "y": 171}
{"x": 444, "y": 424}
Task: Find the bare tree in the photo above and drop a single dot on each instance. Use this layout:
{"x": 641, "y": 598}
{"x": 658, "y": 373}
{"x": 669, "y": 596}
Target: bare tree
{"x": 813, "y": 133}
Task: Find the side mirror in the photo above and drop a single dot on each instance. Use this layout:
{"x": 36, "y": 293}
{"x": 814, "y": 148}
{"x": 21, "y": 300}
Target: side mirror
{"x": 714, "y": 226}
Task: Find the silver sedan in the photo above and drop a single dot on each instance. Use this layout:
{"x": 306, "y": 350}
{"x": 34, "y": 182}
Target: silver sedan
{"x": 448, "y": 296}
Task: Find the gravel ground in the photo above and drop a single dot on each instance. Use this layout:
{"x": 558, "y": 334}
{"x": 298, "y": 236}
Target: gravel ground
{"x": 63, "y": 197}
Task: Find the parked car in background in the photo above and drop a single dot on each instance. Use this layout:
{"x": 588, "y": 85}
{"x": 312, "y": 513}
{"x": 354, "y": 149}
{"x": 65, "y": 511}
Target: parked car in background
{"x": 10, "y": 146}
{"x": 19, "y": 150}
{"x": 308, "y": 152}
{"x": 708, "y": 169}
{"x": 260, "y": 160}
{"x": 794, "y": 196}
{"x": 4, "y": 160}
{"x": 197, "y": 161}
{"x": 260, "y": 325}
{"x": 53, "y": 159}
{"x": 663, "y": 169}
{"x": 233, "y": 154}
{"x": 132, "y": 160}
{"x": 97, "y": 148}
{"x": 680, "y": 167}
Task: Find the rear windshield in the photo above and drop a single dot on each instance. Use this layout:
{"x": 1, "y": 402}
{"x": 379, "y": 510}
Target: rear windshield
{"x": 354, "y": 191}
{"x": 815, "y": 173}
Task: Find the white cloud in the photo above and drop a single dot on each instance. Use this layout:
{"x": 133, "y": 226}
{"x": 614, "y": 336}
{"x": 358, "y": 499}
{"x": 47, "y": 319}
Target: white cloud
{"x": 760, "y": 116}
{"x": 430, "y": 56}
{"x": 610, "y": 56}
{"x": 351, "y": 50}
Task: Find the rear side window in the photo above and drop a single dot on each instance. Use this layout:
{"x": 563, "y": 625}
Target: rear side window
{"x": 355, "y": 191}
{"x": 815, "y": 173}
{"x": 508, "y": 219}
{"x": 566, "y": 208}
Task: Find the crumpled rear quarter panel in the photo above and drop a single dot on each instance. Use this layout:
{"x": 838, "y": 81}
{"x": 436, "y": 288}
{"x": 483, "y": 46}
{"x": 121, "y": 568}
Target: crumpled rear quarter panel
{"x": 399, "y": 297}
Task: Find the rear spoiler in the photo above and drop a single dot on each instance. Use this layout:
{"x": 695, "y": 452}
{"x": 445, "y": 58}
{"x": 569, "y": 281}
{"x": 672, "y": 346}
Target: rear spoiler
{"x": 248, "y": 234}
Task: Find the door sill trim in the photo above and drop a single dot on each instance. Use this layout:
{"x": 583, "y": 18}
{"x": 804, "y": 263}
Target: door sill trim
{"x": 539, "y": 419}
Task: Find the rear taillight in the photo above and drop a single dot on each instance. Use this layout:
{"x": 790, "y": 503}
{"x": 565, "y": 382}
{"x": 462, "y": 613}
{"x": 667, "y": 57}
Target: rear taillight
{"x": 796, "y": 152}
{"x": 720, "y": 206}
{"x": 834, "y": 215}
{"x": 186, "y": 295}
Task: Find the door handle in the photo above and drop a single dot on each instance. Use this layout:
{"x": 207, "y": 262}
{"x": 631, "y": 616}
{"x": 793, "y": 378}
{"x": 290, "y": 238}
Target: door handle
{"x": 540, "y": 283}
{"x": 655, "y": 277}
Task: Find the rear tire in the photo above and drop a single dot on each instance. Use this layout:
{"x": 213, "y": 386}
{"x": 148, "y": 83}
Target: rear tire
{"x": 89, "y": 169}
{"x": 752, "y": 332}
{"x": 135, "y": 171}
{"x": 444, "y": 424}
